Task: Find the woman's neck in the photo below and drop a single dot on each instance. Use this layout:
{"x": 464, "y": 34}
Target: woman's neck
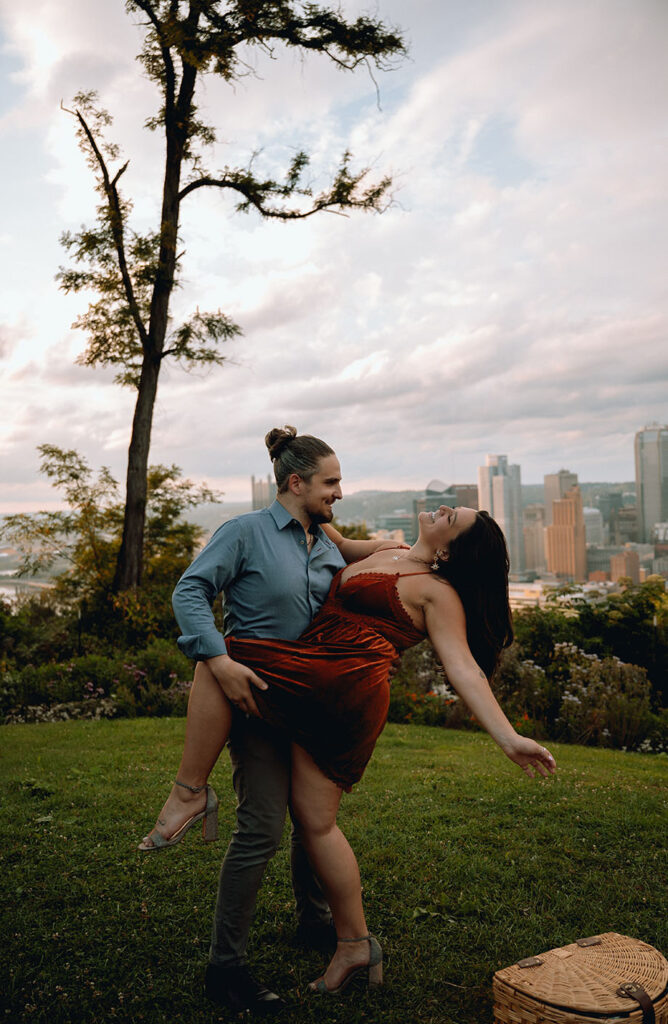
{"x": 420, "y": 552}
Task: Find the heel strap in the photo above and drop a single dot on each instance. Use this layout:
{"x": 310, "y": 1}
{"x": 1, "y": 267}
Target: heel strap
{"x": 193, "y": 789}
{"x": 362, "y": 938}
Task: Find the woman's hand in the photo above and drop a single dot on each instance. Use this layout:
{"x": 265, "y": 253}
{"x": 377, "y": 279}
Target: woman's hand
{"x": 529, "y": 755}
{"x": 387, "y": 545}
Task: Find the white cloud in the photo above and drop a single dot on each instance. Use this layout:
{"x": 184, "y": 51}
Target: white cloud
{"x": 513, "y": 299}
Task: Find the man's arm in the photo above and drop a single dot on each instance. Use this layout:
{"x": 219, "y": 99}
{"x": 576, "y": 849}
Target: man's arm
{"x": 216, "y": 566}
{"x": 354, "y": 550}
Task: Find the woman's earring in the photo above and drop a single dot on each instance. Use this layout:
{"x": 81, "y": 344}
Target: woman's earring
{"x": 440, "y": 556}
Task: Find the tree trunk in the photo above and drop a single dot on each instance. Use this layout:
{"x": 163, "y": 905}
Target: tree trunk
{"x": 130, "y": 557}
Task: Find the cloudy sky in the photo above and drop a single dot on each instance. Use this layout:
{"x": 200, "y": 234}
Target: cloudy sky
{"x": 513, "y": 299}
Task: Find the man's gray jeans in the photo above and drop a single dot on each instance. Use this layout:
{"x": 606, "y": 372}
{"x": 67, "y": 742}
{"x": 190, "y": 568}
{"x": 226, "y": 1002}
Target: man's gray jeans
{"x": 261, "y": 776}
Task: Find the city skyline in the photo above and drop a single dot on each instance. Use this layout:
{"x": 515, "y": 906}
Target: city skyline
{"x": 651, "y": 455}
{"x": 512, "y": 298}
{"x": 500, "y": 493}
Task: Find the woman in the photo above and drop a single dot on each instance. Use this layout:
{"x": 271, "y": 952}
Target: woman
{"x": 330, "y": 690}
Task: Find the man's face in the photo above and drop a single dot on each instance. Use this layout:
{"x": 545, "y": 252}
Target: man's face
{"x": 322, "y": 490}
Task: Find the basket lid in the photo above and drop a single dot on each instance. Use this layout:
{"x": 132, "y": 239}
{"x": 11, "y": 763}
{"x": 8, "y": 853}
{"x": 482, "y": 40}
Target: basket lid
{"x": 585, "y": 976}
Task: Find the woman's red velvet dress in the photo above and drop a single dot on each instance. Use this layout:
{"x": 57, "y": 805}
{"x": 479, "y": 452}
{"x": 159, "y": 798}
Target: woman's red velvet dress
{"x": 330, "y": 689}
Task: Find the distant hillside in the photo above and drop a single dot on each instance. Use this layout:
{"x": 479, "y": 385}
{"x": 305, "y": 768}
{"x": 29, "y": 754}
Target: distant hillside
{"x": 591, "y": 491}
{"x": 368, "y": 506}
{"x": 363, "y": 506}
{"x": 210, "y": 516}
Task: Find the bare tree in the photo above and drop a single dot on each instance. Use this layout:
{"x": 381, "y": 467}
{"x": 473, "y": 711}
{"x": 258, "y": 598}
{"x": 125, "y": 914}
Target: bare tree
{"x": 134, "y": 274}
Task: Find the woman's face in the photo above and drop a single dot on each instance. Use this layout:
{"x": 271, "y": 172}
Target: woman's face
{"x": 442, "y": 526}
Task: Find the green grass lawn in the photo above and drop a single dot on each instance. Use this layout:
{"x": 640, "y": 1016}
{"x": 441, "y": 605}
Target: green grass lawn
{"x": 467, "y": 866}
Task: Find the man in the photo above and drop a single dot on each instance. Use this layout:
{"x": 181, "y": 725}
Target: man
{"x": 275, "y": 568}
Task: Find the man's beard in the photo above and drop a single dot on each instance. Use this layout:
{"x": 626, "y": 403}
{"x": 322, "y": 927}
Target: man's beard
{"x": 319, "y": 517}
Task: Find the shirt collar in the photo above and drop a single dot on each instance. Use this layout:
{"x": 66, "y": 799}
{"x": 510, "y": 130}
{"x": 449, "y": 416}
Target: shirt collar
{"x": 280, "y": 515}
{"x": 282, "y": 518}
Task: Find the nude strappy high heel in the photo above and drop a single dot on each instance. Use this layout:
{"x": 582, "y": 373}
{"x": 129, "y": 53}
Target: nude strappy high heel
{"x": 373, "y": 969}
{"x": 208, "y": 817}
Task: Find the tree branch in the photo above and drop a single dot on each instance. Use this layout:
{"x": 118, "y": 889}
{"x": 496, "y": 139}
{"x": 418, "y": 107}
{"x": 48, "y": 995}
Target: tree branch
{"x": 347, "y": 44}
{"x": 247, "y": 192}
{"x": 254, "y": 193}
{"x": 118, "y": 174}
{"x": 188, "y": 68}
{"x": 170, "y": 74}
{"x": 116, "y": 222}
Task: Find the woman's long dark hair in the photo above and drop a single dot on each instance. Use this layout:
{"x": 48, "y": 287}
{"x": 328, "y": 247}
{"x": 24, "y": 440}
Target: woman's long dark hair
{"x": 477, "y": 567}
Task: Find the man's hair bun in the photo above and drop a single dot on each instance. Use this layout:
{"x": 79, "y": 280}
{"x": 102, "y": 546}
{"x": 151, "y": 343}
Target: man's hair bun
{"x": 278, "y": 438}
{"x": 292, "y": 453}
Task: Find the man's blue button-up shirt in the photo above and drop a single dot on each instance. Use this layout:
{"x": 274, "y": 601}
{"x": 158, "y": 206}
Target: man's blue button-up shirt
{"x": 272, "y": 585}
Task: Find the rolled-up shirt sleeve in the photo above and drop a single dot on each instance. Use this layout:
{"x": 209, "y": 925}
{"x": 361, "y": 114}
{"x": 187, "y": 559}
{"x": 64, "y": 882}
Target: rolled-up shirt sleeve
{"x": 213, "y": 569}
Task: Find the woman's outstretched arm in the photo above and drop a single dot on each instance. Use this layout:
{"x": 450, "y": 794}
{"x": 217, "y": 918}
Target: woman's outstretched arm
{"x": 446, "y": 626}
{"x": 354, "y": 550}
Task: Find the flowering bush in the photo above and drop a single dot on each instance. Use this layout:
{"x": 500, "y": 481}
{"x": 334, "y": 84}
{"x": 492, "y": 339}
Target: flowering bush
{"x": 574, "y": 697}
{"x": 155, "y": 680}
{"x": 149, "y": 699}
{"x": 435, "y": 707}
{"x": 93, "y": 709}
{"x": 561, "y": 693}
{"x": 526, "y": 694}
{"x": 603, "y": 701}
{"x": 419, "y": 692}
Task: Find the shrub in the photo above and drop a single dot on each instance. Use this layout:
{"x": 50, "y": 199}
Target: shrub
{"x": 604, "y": 701}
{"x": 419, "y": 692}
{"x": 433, "y": 708}
{"x": 163, "y": 663}
{"x": 155, "y": 680}
{"x": 151, "y": 700}
{"x": 420, "y": 669}
{"x": 94, "y": 708}
{"x": 656, "y": 740}
{"x": 525, "y": 693}
{"x": 574, "y": 696}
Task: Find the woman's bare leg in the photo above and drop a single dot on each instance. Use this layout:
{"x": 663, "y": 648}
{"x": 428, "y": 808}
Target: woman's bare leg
{"x": 315, "y": 801}
{"x": 207, "y": 729}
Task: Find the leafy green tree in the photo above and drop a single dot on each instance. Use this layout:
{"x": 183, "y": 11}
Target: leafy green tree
{"x": 82, "y": 544}
{"x": 355, "y": 531}
{"x": 537, "y": 630}
{"x": 631, "y": 625}
{"x": 134, "y": 274}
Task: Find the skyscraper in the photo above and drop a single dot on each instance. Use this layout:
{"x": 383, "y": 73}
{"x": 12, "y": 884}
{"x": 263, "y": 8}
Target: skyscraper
{"x": 565, "y": 546}
{"x": 555, "y": 486}
{"x": 609, "y": 504}
{"x": 533, "y": 525}
{"x": 263, "y": 492}
{"x": 626, "y": 563}
{"x": 651, "y": 451}
{"x": 500, "y": 493}
{"x": 593, "y": 521}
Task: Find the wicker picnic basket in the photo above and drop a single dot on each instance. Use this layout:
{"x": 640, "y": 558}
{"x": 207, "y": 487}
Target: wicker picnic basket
{"x": 597, "y": 980}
